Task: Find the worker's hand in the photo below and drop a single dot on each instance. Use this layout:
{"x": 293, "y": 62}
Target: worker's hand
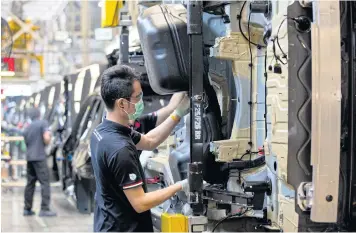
{"x": 176, "y": 99}
{"x": 185, "y": 185}
{"x": 183, "y": 107}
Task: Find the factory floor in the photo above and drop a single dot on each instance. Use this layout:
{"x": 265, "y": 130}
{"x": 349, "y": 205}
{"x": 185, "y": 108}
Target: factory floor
{"x": 68, "y": 219}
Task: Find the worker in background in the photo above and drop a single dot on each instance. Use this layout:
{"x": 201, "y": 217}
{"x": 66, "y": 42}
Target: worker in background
{"x": 37, "y": 136}
{"x": 122, "y": 201}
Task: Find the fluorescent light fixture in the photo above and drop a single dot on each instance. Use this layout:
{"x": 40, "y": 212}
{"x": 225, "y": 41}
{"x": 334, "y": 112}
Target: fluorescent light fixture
{"x": 17, "y": 90}
{"x": 61, "y": 35}
{"x": 103, "y": 34}
{"x": 68, "y": 41}
{"x": 7, "y": 73}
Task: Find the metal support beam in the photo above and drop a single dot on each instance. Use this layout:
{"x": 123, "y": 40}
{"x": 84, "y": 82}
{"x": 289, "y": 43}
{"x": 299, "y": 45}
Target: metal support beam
{"x": 85, "y": 23}
{"x": 326, "y": 110}
{"x": 124, "y": 46}
{"x": 196, "y": 92}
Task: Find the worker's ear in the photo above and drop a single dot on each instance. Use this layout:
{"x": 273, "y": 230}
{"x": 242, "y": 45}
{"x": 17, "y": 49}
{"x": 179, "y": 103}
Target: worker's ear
{"x": 121, "y": 103}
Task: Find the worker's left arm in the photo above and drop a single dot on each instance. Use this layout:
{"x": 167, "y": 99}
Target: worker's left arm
{"x": 146, "y": 123}
{"x": 155, "y": 137}
{"x": 165, "y": 112}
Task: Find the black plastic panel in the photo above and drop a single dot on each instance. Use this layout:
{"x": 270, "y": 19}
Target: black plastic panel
{"x": 165, "y": 45}
{"x": 299, "y": 100}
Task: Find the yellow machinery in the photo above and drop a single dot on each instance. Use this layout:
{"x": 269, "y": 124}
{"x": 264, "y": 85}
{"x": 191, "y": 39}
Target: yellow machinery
{"x": 110, "y": 13}
{"x": 23, "y": 44}
{"x": 174, "y": 223}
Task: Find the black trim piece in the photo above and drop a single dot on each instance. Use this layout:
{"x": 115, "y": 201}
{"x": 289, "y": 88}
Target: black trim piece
{"x": 299, "y": 104}
{"x": 124, "y": 45}
{"x": 222, "y": 196}
{"x": 176, "y": 41}
{"x": 352, "y": 113}
{"x": 244, "y": 164}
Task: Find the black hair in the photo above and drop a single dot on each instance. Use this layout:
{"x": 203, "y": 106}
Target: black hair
{"x": 34, "y": 113}
{"x": 116, "y": 83}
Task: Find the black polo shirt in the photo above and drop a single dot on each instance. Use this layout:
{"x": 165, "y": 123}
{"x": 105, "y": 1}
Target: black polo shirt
{"x": 145, "y": 123}
{"x": 117, "y": 167}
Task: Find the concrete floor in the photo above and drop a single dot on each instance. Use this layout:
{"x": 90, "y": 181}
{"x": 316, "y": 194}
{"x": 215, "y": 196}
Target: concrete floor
{"x": 68, "y": 219}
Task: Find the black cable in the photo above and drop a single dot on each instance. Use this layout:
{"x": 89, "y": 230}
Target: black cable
{"x": 275, "y": 54}
{"x": 344, "y": 187}
{"x": 229, "y": 216}
{"x": 251, "y": 83}
{"x": 248, "y": 153}
{"x": 277, "y": 38}
{"x": 265, "y": 75}
{"x": 240, "y": 28}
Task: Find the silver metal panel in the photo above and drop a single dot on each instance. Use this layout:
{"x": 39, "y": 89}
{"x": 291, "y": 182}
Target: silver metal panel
{"x": 326, "y": 114}
{"x": 197, "y": 223}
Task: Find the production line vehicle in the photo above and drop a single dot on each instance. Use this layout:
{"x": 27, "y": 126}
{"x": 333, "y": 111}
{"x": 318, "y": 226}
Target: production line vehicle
{"x": 272, "y": 123}
{"x": 78, "y": 88}
{"x": 269, "y": 144}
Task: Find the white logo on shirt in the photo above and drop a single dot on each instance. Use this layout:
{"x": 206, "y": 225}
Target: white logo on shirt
{"x": 133, "y": 176}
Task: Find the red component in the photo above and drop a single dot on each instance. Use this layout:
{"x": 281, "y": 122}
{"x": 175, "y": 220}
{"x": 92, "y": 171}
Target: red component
{"x": 137, "y": 125}
{"x": 10, "y": 63}
{"x": 153, "y": 180}
{"x": 261, "y": 151}
{"x": 19, "y": 125}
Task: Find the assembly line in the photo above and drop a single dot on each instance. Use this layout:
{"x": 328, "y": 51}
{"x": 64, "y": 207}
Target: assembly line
{"x": 229, "y": 116}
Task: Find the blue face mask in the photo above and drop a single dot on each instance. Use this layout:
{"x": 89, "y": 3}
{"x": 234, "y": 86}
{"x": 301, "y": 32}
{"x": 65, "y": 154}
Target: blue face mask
{"x": 139, "y": 107}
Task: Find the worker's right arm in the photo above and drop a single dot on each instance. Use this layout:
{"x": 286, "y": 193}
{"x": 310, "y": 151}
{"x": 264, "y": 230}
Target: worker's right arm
{"x": 142, "y": 201}
{"x": 46, "y": 133}
{"x": 125, "y": 168}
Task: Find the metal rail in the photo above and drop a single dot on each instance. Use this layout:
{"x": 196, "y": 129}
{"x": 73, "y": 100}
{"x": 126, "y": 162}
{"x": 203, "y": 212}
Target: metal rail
{"x": 326, "y": 110}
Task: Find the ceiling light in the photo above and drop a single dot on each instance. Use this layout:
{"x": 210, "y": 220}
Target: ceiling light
{"x": 68, "y": 41}
{"x": 100, "y": 4}
{"x": 7, "y": 73}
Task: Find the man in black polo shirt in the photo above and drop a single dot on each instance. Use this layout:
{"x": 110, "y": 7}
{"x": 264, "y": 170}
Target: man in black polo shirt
{"x": 122, "y": 201}
{"x": 37, "y": 136}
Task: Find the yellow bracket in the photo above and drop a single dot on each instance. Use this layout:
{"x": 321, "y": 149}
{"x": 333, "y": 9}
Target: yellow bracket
{"x": 174, "y": 223}
{"x": 25, "y": 37}
{"x": 39, "y": 58}
{"x": 110, "y": 13}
